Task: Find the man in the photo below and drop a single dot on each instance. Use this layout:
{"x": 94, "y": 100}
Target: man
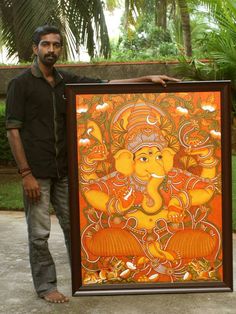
{"x": 36, "y": 124}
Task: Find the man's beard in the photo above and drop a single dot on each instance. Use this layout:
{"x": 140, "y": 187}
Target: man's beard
{"x": 49, "y": 59}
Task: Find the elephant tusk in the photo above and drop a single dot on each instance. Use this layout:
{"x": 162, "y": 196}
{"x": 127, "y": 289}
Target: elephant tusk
{"x": 128, "y": 195}
{"x": 156, "y": 176}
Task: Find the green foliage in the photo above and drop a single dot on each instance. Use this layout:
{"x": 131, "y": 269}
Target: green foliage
{"x": 111, "y": 5}
{"x": 194, "y": 69}
{"x": 2, "y": 108}
{"x": 218, "y": 46}
{"x": 201, "y": 30}
{"x": 5, "y": 152}
{"x": 168, "y": 49}
{"x": 145, "y": 42}
{"x": 143, "y": 39}
{"x": 80, "y": 21}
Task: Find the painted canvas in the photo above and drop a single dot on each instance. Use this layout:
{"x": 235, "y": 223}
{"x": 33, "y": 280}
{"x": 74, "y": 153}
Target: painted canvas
{"x": 150, "y": 188}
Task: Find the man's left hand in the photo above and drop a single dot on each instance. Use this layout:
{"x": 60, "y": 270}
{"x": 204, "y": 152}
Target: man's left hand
{"x": 161, "y": 79}
{"x": 158, "y": 79}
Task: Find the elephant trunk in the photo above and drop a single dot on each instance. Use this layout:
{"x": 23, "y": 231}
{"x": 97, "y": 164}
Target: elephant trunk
{"x": 152, "y": 201}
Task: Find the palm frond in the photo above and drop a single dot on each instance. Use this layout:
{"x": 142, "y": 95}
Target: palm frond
{"x": 81, "y": 21}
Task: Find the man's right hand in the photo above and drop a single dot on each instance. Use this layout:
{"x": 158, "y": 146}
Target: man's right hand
{"x": 31, "y": 188}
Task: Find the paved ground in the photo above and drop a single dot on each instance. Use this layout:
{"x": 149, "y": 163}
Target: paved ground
{"x": 17, "y": 295}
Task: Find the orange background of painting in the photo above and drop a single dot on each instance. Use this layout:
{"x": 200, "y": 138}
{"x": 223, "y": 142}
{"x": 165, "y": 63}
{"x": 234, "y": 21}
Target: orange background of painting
{"x": 210, "y": 98}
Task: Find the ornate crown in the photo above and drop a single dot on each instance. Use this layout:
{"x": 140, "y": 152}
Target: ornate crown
{"x": 143, "y": 129}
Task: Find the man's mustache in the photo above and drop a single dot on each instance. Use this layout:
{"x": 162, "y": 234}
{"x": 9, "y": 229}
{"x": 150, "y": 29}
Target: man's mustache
{"x": 50, "y": 55}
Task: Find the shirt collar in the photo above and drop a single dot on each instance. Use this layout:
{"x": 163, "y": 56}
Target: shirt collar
{"x": 35, "y": 70}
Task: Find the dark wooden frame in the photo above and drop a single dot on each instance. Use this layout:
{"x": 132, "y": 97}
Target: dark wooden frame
{"x": 227, "y": 284}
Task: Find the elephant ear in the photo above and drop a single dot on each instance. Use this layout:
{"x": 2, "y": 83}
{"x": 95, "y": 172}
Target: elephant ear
{"x": 168, "y": 158}
{"x": 124, "y": 162}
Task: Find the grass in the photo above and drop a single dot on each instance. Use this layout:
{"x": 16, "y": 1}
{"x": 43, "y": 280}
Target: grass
{"x": 10, "y": 185}
{"x": 2, "y": 107}
{"x": 11, "y": 192}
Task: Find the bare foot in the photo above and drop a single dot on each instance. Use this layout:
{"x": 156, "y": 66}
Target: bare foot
{"x": 55, "y": 297}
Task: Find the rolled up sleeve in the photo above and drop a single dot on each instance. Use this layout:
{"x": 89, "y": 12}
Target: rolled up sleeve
{"x": 15, "y": 105}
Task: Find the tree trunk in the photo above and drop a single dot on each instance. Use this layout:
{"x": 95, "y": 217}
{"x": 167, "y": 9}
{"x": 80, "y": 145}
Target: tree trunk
{"x": 185, "y": 20}
{"x": 126, "y": 16}
{"x": 161, "y": 13}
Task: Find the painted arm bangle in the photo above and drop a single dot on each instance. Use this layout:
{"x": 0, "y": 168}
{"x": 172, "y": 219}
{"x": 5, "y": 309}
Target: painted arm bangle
{"x": 211, "y": 164}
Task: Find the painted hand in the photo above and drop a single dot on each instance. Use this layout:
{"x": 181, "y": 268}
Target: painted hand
{"x": 126, "y": 196}
{"x": 206, "y": 151}
{"x": 98, "y": 153}
{"x": 175, "y": 214}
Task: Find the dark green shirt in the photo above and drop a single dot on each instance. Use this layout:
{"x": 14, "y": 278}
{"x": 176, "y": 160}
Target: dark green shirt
{"x": 38, "y": 110}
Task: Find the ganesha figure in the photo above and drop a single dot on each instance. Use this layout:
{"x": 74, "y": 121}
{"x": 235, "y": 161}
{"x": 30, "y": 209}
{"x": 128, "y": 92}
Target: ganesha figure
{"x": 145, "y": 188}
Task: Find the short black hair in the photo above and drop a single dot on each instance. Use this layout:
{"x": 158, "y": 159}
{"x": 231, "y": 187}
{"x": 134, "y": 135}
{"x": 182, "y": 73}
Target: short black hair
{"x": 44, "y": 30}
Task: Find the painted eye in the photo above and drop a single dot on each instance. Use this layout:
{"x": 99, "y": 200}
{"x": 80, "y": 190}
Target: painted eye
{"x": 144, "y": 159}
{"x": 159, "y": 157}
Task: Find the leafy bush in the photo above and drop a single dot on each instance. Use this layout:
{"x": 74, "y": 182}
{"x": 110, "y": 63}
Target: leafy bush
{"x": 5, "y": 151}
{"x": 144, "y": 43}
{"x": 194, "y": 69}
{"x": 168, "y": 49}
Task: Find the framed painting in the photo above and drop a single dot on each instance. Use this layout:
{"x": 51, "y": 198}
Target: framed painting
{"x": 150, "y": 187}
